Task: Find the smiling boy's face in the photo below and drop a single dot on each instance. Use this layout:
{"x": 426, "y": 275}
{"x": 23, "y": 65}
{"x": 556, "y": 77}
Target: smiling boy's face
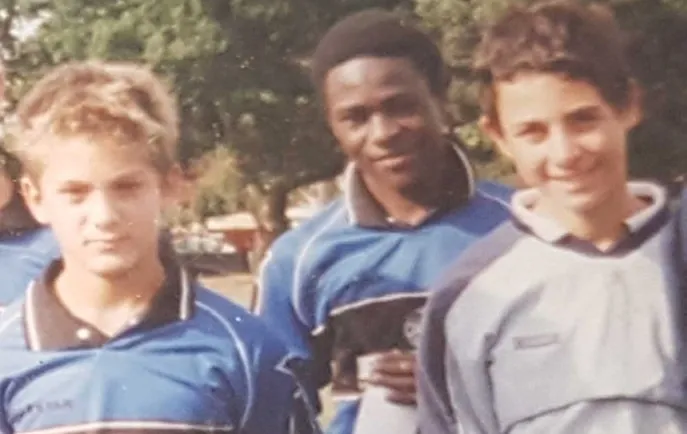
{"x": 103, "y": 203}
{"x": 386, "y": 119}
{"x": 565, "y": 139}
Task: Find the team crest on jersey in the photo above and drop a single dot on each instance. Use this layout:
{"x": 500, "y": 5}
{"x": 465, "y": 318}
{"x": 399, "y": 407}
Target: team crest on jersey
{"x": 412, "y": 326}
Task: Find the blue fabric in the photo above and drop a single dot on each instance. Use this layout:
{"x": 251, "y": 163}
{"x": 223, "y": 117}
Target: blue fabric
{"x": 324, "y": 270}
{"x": 219, "y": 369}
{"x": 22, "y": 258}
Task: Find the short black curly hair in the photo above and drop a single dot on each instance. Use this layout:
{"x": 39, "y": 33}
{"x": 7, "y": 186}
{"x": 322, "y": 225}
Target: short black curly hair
{"x": 377, "y": 32}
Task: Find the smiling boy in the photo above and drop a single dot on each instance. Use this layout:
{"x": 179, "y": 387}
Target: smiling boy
{"x": 347, "y": 287}
{"x": 566, "y": 319}
{"x": 115, "y": 337}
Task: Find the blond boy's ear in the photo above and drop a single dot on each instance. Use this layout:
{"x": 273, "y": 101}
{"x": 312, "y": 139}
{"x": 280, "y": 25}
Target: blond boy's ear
{"x": 491, "y": 128}
{"x": 32, "y": 196}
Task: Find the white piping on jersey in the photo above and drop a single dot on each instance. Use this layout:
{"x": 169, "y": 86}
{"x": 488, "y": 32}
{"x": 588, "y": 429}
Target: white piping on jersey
{"x": 243, "y": 354}
{"x": 133, "y": 424}
{"x": 318, "y": 330}
{"x": 341, "y": 309}
{"x": 493, "y": 198}
{"x": 382, "y": 299}
{"x": 321, "y": 328}
{"x": 184, "y": 299}
{"x": 32, "y": 329}
{"x": 10, "y": 320}
{"x": 297, "y": 281}
{"x": 257, "y": 309}
{"x": 468, "y": 168}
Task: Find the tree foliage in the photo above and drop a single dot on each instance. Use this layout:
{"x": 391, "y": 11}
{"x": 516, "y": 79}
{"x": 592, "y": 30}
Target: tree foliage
{"x": 239, "y": 68}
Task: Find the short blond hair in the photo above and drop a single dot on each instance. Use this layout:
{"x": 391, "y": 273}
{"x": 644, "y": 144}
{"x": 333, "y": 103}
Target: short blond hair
{"x": 124, "y": 104}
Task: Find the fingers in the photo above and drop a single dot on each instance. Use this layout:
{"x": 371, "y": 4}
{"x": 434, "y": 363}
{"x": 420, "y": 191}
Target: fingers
{"x": 395, "y": 363}
{"x": 395, "y": 371}
{"x": 401, "y": 398}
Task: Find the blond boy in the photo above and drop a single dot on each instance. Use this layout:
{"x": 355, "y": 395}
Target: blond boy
{"x": 114, "y": 337}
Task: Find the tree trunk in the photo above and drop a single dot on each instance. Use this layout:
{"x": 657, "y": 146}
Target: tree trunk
{"x": 272, "y": 221}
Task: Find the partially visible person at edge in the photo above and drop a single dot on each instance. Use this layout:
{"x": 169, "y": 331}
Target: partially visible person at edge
{"x": 352, "y": 281}
{"x": 26, "y": 246}
{"x": 570, "y": 318}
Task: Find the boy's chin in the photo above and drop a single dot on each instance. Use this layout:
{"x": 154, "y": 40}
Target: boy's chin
{"x": 111, "y": 267}
{"x": 583, "y": 203}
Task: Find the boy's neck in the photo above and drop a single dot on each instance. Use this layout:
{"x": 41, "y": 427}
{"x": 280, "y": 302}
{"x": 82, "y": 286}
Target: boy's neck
{"x": 602, "y": 226}
{"x": 414, "y": 205}
{"x": 109, "y": 304}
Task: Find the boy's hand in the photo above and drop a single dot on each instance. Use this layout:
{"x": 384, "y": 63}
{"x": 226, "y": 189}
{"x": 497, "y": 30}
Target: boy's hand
{"x": 395, "y": 370}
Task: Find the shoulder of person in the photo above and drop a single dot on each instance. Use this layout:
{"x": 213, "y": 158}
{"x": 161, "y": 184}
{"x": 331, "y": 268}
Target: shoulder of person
{"x": 287, "y": 245}
{"x": 231, "y": 321}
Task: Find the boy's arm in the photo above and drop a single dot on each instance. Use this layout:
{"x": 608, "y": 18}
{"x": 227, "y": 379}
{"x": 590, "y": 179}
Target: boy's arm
{"x": 276, "y": 307}
{"x": 275, "y": 299}
{"x": 435, "y": 409}
{"x": 453, "y": 385}
{"x": 4, "y": 424}
{"x": 280, "y": 401}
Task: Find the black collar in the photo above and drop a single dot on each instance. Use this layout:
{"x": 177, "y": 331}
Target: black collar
{"x": 365, "y": 211}
{"x": 50, "y": 326}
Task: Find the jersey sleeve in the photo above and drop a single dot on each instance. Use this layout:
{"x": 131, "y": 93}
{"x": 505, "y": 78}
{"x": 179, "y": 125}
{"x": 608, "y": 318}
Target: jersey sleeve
{"x": 281, "y": 402}
{"x": 454, "y": 388}
{"x": 4, "y": 423}
{"x": 276, "y": 306}
{"x": 435, "y": 411}
{"x": 467, "y": 408}
{"x": 275, "y": 298}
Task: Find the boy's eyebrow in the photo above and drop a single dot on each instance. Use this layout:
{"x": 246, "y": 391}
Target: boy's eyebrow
{"x": 585, "y": 109}
{"x": 575, "y": 111}
{"x": 124, "y": 175}
{"x": 525, "y": 122}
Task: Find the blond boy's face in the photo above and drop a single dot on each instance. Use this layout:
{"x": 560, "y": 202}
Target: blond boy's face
{"x": 565, "y": 139}
{"x": 103, "y": 204}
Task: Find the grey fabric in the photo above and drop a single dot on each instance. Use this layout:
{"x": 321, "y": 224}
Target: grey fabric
{"x": 549, "y": 339}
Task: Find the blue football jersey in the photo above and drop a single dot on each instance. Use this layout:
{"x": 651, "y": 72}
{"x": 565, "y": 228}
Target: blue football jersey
{"x": 195, "y": 362}
{"x": 347, "y": 283}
